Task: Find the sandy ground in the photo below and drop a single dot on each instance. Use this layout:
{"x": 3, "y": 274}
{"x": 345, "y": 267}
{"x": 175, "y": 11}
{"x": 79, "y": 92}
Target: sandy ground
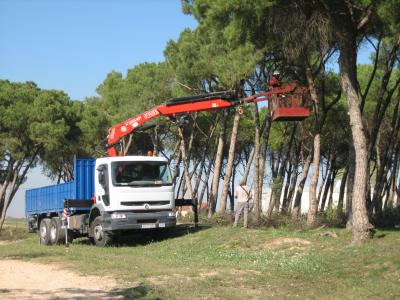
{"x": 28, "y": 280}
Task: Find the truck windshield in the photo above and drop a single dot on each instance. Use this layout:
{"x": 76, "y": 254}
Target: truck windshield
{"x": 140, "y": 173}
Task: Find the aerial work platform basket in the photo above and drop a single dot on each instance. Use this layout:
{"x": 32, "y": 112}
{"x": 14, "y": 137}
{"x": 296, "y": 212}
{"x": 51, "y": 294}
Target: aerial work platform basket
{"x": 289, "y": 103}
{"x": 290, "y": 107}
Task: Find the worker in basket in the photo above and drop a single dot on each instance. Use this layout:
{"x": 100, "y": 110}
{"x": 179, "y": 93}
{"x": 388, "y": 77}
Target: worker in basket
{"x": 274, "y": 80}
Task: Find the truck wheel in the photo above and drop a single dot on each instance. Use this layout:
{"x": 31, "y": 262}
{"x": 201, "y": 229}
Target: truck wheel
{"x": 44, "y": 232}
{"x": 57, "y": 233}
{"x": 100, "y": 237}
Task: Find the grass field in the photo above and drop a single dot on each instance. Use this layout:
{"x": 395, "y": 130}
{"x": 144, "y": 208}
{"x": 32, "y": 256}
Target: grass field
{"x": 221, "y": 262}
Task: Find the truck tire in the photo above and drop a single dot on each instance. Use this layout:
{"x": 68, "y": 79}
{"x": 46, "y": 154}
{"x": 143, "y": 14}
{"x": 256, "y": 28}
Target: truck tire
{"x": 44, "y": 232}
{"x": 57, "y": 233}
{"x": 101, "y": 238}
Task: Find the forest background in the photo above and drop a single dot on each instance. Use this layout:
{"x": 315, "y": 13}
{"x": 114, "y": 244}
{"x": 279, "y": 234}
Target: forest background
{"x": 352, "y": 135}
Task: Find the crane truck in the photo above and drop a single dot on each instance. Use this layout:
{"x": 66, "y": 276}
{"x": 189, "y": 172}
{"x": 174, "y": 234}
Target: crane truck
{"x": 113, "y": 195}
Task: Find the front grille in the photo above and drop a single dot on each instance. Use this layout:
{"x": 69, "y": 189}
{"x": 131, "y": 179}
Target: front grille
{"x": 141, "y": 203}
{"x": 149, "y": 211}
{"x": 146, "y": 221}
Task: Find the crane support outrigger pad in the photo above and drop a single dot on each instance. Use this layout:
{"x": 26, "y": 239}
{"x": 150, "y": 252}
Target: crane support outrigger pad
{"x": 189, "y": 202}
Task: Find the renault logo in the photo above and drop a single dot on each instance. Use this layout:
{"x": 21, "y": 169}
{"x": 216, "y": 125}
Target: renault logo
{"x": 146, "y": 206}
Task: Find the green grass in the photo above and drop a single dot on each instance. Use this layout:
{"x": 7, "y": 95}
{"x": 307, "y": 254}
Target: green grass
{"x": 221, "y": 262}
{"x": 13, "y": 230}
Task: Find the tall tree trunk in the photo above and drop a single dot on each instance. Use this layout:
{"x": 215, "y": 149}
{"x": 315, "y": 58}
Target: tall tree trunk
{"x": 181, "y": 187}
{"x": 272, "y": 198}
{"x": 348, "y": 79}
{"x": 285, "y": 201}
{"x": 3, "y": 192}
{"x": 263, "y": 152}
{"x": 326, "y": 190}
{"x": 217, "y": 166}
{"x": 299, "y": 193}
{"x": 387, "y": 152}
{"x": 293, "y": 181}
{"x": 321, "y": 188}
{"x": 278, "y": 172}
{"x": 276, "y": 163}
{"x": 205, "y": 184}
{"x": 205, "y": 149}
{"x": 256, "y": 169}
{"x": 248, "y": 165}
{"x": 185, "y": 165}
{"x": 313, "y": 205}
{"x": 192, "y": 173}
{"x": 16, "y": 173}
{"x": 175, "y": 173}
{"x": 231, "y": 158}
{"x": 198, "y": 175}
{"x": 312, "y": 209}
{"x": 350, "y": 186}
{"x": 331, "y": 190}
{"x": 8, "y": 198}
{"x": 394, "y": 174}
{"x": 342, "y": 188}
{"x": 232, "y": 194}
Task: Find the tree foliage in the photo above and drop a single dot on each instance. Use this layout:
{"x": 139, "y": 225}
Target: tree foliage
{"x": 35, "y": 125}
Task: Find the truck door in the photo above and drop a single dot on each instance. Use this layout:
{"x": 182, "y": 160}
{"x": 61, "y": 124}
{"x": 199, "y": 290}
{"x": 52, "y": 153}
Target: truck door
{"x": 104, "y": 185}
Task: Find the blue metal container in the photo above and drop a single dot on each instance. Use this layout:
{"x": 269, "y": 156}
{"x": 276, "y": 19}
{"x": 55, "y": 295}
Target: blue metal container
{"x": 50, "y": 199}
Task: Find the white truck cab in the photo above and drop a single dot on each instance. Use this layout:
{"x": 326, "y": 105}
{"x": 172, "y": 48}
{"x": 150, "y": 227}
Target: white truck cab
{"x": 131, "y": 192}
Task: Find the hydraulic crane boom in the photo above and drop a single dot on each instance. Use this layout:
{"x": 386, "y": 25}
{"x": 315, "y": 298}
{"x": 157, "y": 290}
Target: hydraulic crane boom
{"x": 187, "y": 105}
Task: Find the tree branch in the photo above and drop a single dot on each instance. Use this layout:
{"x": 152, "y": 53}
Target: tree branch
{"x": 364, "y": 21}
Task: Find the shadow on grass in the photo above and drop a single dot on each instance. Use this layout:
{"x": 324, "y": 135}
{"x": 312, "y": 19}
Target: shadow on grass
{"x": 32, "y": 255}
{"x": 138, "y": 292}
{"x": 144, "y": 237}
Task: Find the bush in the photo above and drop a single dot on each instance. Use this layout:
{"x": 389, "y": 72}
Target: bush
{"x": 281, "y": 220}
{"x": 223, "y": 219}
{"x": 333, "y": 217}
{"x": 389, "y": 217}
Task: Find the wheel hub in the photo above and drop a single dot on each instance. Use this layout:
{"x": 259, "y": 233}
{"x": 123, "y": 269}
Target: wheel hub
{"x": 43, "y": 232}
{"x": 53, "y": 233}
{"x": 98, "y": 232}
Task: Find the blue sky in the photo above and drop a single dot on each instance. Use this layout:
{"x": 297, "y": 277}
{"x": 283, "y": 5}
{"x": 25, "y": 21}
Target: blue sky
{"x": 72, "y": 45}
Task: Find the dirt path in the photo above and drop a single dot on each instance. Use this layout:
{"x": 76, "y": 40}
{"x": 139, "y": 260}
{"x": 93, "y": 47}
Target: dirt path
{"x": 28, "y": 280}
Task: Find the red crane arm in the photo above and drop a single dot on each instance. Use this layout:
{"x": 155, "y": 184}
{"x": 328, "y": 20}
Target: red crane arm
{"x": 185, "y": 106}
{"x": 117, "y": 132}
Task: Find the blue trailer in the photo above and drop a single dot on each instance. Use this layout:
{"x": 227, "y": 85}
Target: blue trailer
{"x": 44, "y": 207}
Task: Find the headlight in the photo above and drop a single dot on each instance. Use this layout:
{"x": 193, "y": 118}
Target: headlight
{"x": 171, "y": 214}
{"x": 118, "y": 216}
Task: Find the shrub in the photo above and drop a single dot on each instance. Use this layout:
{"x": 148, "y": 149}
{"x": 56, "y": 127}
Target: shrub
{"x": 389, "y": 217}
{"x": 333, "y": 217}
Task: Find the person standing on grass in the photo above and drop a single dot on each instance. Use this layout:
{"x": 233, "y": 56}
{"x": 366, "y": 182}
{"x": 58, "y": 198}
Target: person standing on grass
{"x": 243, "y": 195}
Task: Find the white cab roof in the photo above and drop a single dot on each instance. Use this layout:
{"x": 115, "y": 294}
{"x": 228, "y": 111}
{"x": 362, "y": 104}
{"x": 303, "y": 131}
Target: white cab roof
{"x": 105, "y": 160}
